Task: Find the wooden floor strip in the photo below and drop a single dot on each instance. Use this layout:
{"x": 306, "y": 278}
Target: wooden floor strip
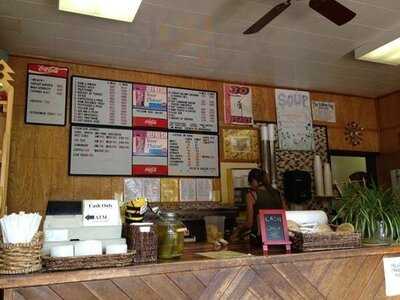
{"x": 239, "y": 286}
{"x": 135, "y": 288}
{"x": 338, "y": 289}
{"x": 219, "y": 283}
{"x": 105, "y": 290}
{"x": 298, "y": 281}
{"x": 276, "y": 281}
{"x": 188, "y": 283}
{"x": 164, "y": 287}
{"x": 360, "y": 281}
{"x": 73, "y": 291}
{"x": 39, "y": 293}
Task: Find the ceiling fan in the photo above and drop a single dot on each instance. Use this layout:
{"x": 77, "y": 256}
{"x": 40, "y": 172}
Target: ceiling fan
{"x": 330, "y": 9}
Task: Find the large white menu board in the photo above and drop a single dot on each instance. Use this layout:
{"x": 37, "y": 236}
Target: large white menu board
{"x": 101, "y": 102}
{"x": 192, "y": 155}
{"x": 100, "y": 151}
{"x": 46, "y": 95}
{"x": 192, "y": 110}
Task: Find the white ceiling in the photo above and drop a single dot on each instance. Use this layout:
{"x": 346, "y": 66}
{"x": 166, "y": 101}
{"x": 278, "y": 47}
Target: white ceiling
{"x": 203, "y": 38}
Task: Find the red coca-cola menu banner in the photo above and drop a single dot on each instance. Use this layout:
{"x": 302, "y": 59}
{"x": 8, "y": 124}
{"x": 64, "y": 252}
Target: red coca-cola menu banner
{"x": 48, "y": 70}
{"x": 46, "y": 95}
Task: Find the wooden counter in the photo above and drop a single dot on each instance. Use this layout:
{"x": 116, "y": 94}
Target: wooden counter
{"x": 344, "y": 274}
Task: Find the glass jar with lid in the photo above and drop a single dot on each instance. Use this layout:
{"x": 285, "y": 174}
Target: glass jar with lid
{"x": 170, "y": 232}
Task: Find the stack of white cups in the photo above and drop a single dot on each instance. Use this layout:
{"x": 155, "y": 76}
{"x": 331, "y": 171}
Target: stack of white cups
{"x": 323, "y": 178}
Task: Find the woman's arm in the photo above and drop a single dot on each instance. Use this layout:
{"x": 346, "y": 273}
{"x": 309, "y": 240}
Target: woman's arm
{"x": 250, "y": 211}
{"x": 249, "y": 222}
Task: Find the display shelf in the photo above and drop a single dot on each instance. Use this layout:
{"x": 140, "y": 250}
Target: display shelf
{"x": 7, "y": 110}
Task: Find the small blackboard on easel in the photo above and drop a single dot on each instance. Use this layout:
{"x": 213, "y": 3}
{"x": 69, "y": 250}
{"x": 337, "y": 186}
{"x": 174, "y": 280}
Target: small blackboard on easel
{"x": 273, "y": 228}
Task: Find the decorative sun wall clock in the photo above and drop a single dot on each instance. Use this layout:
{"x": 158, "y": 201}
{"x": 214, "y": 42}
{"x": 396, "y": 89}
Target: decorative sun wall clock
{"x": 354, "y": 133}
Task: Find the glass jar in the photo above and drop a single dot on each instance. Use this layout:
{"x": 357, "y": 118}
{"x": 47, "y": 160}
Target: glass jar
{"x": 381, "y": 235}
{"x": 171, "y": 233}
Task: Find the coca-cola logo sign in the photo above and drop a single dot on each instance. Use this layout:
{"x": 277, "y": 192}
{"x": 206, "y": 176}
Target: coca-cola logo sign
{"x": 48, "y": 70}
{"x": 150, "y": 170}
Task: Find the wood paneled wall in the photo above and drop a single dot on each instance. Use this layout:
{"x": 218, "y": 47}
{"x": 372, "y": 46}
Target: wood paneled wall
{"x": 39, "y": 155}
{"x": 389, "y": 121}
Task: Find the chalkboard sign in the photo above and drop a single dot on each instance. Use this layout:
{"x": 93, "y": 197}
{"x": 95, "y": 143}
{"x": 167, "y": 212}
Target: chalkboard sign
{"x": 273, "y": 228}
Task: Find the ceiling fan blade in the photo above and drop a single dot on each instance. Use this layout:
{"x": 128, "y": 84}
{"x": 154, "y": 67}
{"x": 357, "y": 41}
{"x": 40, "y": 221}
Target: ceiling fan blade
{"x": 333, "y": 11}
{"x": 268, "y": 17}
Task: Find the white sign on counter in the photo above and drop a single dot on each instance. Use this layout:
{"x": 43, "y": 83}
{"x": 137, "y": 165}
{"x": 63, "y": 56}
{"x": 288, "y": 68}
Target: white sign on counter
{"x": 193, "y": 155}
{"x": 391, "y": 267}
{"x": 46, "y": 95}
{"x": 101, "y": 102}
{"x": 101, "y": 213}
{"x": 192, "y": 110}
{"x": 100, "y": 151}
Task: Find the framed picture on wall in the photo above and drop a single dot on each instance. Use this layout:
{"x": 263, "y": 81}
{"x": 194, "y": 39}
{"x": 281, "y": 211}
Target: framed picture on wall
{"x": 240, "y": 145}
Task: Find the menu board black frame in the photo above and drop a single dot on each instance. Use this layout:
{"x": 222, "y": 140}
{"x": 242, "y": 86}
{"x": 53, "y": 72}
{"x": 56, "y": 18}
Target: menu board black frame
{"x": 132, "y": 128}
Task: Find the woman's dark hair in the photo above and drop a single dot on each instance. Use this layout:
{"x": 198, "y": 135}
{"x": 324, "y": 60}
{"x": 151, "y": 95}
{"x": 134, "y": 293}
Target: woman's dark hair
{"x": 257, "y": 175}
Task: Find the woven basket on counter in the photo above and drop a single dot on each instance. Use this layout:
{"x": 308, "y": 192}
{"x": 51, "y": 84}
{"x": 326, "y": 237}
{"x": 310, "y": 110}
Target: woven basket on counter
{"x": 87, "y": 262}
{"x": 306, "y": 242}
{"x": 21, "y": 258}
{"x": 143, "y": 242}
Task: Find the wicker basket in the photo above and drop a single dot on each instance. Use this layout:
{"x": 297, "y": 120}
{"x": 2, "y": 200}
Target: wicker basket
{"x": 88, "y": 262}
{"x": 306, "y": 242}
{"x": 144, "y": 243}
{"x": 21, "y": 258}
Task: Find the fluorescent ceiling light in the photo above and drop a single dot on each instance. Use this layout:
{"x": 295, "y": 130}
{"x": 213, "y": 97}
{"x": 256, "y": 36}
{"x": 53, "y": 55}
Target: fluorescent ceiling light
{"x": 121, "y": 10}
{"x": 383, "y": 52}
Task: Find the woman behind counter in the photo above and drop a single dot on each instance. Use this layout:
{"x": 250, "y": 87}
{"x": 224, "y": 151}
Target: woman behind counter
{"x": 261, "y": 196}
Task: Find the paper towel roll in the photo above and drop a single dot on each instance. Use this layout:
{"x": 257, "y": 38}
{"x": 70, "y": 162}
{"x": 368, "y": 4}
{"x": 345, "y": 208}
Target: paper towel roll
{"x": 90, "y": 247}
{"x": 264, "y": 132}
{"x": 307, "y": 216}
{"x": 328, "y": 180}
{"x": 62, "y": 251}
{"x": 319, "y": 180}
{"x": 116, "y": 249}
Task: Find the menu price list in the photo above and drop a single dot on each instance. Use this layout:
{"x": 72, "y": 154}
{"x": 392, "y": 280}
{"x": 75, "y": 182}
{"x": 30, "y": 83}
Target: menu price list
{"x": 100, "y": 151}
{"x": 192, "y": 110}
{"x": 192, "y": 155}
{"x": 46, "y": 99}
{"x": 101, "y": 102}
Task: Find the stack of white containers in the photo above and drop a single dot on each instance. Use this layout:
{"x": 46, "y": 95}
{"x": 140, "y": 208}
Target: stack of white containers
{"x": 96, "y": 215}
{"x": 323, "y": 178}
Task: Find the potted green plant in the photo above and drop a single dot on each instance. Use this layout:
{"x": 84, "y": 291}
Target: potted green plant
{"x": 374, "y": 212}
